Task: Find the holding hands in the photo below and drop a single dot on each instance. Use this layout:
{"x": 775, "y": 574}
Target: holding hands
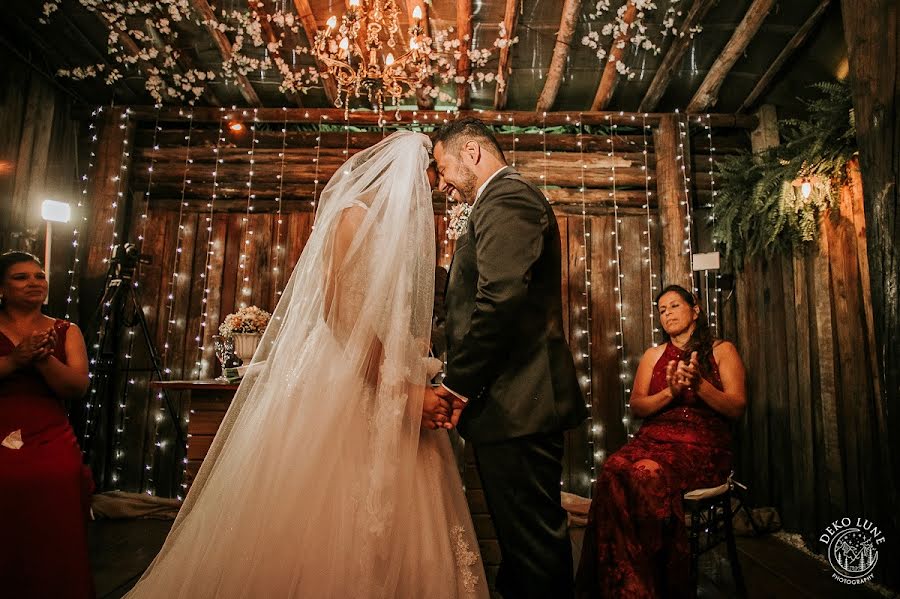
{"x": 441, "y": 409}
{"x": 34, "y": 348}
{"x": 682, "y": 375}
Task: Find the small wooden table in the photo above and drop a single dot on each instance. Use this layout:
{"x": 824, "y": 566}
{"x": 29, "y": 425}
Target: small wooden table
{"x": 208, "y": 401}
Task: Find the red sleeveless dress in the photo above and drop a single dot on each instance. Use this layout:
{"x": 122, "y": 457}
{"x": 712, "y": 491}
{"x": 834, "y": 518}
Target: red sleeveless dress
{"x": 44, "y": 490}
{"x": 636, "y": 545}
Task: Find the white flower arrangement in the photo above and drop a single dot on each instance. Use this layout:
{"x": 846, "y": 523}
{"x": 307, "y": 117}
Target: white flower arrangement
{"x": 459, "y": 220}
{"x": 246, "y": 320}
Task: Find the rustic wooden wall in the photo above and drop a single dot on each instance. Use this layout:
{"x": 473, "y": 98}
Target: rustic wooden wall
{"x": 38, "y": 140}
{"x": 808, "y": 442}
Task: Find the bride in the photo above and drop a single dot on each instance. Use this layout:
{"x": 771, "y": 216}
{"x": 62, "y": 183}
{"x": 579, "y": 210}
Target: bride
{"x": 323, "y": 480}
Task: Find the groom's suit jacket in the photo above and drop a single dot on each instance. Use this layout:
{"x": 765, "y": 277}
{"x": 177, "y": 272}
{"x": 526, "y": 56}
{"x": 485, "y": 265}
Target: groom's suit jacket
{"x": 505, "y": 346}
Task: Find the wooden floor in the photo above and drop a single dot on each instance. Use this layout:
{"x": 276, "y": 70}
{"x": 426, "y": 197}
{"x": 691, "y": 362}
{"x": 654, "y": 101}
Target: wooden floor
{"x": 122, "y": 549}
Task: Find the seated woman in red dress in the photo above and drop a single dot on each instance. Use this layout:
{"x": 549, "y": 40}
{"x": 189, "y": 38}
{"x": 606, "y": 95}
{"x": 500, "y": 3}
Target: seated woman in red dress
{"x": 688, "y": 391}
{"x": 44, "y": 489}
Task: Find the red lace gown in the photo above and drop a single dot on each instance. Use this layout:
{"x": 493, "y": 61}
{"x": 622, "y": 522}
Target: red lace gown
{"x": 44, "y": 490}
{"x": 636, "y": 544}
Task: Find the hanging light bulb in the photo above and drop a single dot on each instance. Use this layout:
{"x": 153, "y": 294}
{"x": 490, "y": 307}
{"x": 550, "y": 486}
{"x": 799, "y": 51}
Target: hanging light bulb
{"x": 806, "y": 189}
{"x": 331, "y": 22}
{"x": 389, "y": 60}
{"x": 345, "y": 43}
{"x": 417, "y": 13}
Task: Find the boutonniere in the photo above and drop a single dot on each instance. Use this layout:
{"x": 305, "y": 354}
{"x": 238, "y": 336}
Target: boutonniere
{"x": 459, "y": 220}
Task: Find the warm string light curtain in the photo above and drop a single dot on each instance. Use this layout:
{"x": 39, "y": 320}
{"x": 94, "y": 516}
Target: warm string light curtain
{"x": 95, "y": 352}
{"x": 129, "y": 382}
{"x": 172, "y": 320}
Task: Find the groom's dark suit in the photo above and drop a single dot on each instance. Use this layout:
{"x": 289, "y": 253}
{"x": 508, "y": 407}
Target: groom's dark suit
{"x": 506, "y": 353}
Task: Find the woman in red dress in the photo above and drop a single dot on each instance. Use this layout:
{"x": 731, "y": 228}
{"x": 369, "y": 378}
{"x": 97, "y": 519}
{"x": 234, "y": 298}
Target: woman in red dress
{"x": 44, "y": 489}
{"x": 688, "y": 391}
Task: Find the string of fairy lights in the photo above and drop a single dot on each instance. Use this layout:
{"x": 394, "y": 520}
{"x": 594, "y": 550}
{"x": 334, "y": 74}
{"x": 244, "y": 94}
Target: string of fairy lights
{"x": 624, "y": 375}
{"x": 648, "y": 237}
{"x": 688, "y": 244}
{"x": 105, "y": 307}
{"x": 121, "y": 421}
{"x": 315, "y": 198}
{"x": 712, "y": 303}
{"x": 247, "y": 239}
{"x": 596, "y": 452}
{"x": 544, "y": 151}
{"x": 279, "y": 216}
{"x": 201, "y": 337}
{"x": 85, "y": 179}
{"x": 158, "y": 414}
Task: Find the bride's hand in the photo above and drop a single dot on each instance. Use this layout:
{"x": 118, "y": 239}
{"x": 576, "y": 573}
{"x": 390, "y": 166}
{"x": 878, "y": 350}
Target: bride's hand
{"x": 435, "y": 411}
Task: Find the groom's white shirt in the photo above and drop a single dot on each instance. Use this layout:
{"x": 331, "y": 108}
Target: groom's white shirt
{"x": 477, "y": 195}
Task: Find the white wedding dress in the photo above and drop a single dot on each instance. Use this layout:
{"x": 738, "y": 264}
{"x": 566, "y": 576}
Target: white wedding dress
{"x": 320, "y": 482}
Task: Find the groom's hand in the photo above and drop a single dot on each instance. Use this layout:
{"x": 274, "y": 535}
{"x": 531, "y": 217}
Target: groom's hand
{"x": 458, "y": 406}
{"x": 435, "y": 410}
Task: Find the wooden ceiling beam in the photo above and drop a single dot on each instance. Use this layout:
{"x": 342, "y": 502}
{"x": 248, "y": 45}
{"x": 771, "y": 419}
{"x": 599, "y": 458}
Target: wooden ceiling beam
{"x": 311, "y": 28}
{"x": 708, "y": 93}
{"x": 504, "y": 69}
{"x": 208, "y": 18}
{"x": 463, "y": 66}
{"x": 610, "y": 76}
{"x": 570, "y": 11}
{"x": 434, "y": 117}
{"x": 680, "y": 44}
{"x": 792, "y": 46}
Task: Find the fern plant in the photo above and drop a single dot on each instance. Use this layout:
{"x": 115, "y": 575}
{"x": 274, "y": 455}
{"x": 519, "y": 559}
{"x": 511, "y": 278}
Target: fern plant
{"x": 759, "y": 208}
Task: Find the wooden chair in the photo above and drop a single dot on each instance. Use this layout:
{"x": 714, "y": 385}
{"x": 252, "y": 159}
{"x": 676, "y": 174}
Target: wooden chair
{"x": 711, "y": 515}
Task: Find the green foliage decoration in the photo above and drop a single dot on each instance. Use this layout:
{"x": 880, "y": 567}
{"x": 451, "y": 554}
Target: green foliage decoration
{"x": 760, "y": 206}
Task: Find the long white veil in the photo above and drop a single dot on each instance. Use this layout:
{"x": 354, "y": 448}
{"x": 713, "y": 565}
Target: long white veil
{"x": 317, "y": 453}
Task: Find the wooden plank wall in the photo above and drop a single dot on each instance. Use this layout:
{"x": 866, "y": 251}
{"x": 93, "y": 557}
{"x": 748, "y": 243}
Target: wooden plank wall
{"x": 806, "y": 442}
{"x": 38, "y": 140}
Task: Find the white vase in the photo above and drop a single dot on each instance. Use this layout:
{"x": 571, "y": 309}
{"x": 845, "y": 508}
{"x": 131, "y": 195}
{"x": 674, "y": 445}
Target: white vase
{"x": 245, "y": 345}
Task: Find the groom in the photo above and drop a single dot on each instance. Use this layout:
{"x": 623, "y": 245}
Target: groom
{"x": 510, "y": 376}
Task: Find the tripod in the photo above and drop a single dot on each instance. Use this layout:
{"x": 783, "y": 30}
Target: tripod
{"x": 118, "y": 309}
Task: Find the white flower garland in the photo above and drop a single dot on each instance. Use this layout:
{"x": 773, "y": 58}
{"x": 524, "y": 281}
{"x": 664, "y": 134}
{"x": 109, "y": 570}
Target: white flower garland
{"x": 634, "y": 32}
{"x": 166, "y": 82}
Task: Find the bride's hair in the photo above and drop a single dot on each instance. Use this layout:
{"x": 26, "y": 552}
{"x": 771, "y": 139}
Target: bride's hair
{"x": 455, "y": 132}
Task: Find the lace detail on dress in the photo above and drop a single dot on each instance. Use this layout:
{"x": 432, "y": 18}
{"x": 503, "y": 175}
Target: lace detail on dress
{"x": 466, "y": 559}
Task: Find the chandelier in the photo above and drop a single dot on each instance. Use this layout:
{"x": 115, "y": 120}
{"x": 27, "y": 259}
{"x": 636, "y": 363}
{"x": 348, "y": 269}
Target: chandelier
{"x": 359, "y": 53}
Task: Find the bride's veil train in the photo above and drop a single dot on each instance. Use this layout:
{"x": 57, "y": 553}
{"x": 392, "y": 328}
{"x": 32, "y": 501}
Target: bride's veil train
{"x": 319, "y": 482}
